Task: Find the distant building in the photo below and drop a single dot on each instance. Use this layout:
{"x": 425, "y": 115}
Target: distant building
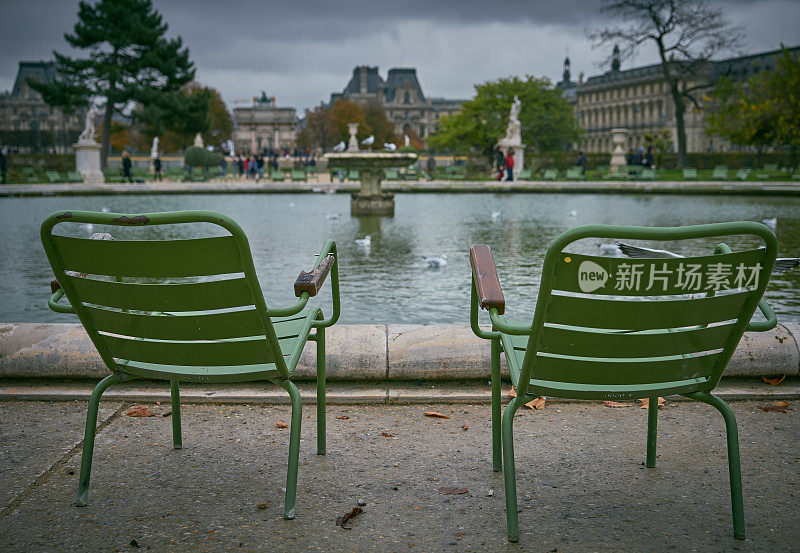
{"x": 639, "y": 100}
{"x": 264, "y": 126}
{"x": 401, "y": 97}
{"x": 27, "y": 123}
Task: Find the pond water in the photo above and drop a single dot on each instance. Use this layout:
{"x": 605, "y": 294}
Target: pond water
{"x": 390, "y": 282}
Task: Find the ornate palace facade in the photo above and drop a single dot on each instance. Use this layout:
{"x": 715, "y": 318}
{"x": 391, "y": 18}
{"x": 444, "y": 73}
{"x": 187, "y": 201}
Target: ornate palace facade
{"x": 402, "y": 98}
{"x": 639, "y": 100}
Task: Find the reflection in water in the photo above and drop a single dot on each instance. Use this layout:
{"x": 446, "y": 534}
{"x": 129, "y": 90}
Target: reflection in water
{"x": 390, "y": 281}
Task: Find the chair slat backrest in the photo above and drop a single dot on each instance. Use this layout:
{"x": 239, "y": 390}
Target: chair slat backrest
{"x": 620, "y": 323}
{"x": 171, "y": 303}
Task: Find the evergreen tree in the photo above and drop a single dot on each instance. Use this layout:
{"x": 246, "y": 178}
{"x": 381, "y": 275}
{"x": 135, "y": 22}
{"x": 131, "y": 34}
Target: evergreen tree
{"x": 129, "y": 61}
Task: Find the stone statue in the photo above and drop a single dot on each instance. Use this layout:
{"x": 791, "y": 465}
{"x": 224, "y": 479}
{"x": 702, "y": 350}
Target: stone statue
{"x": 407, "y": 140}
{"x": 198, "y": 140}
{"x": 87, "y": 136}
{"x": 154, "y": 149}
{"x": 514, "y": 131}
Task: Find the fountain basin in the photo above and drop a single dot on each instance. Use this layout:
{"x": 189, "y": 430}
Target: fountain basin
{"x": 371, "y": 200}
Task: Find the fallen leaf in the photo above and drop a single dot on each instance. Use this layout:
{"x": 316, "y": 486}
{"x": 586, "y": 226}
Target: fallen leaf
{"x": 464, "y": 427}
{"x": 347, "y": 516}
{"x": 779, "y": 407}
{"x": 537, "y": 403}
{"x": 615, "y": 404}
{"x": 387, "y": 435}
{"x": 773, "y": 381}
{"x": 343, "y": 417}
{"x": 281, "y": 424}
{"x": 166, "y": 413}
{"x": 134, "y": 543}
{"x": 140, "y": 411}
{"x": 645, "y": 402}
{"x": 262, "y": 506}
{"x": 534, "y": 404}
{"x": 436, "y": 415}
{"x": 446, "y": 490}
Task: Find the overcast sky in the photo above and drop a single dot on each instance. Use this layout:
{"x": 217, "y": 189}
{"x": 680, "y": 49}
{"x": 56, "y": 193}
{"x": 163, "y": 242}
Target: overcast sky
{"x": 302, "y": 51}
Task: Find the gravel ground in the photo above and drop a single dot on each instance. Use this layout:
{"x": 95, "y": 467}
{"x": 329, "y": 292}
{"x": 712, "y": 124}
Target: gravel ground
{"x": 582, "y": 483}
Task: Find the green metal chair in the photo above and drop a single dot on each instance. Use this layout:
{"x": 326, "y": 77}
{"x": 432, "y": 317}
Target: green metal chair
{"x": 186, "y": 311}
{"x": 74, "y": 176}
{"x": 575, "y": 173}
{"x": 647, "y": 174}
{"x": 526, "y": 174}
{"x": 391, "y": 174}
{"x": 690, "y": 173}
{"x": 673, "y": 333}
{"x": 299, "y": 175}
{"x": 550, "y": 174}
{"x": 743, "y": 174}
{"x": 720, "y": 172}
{"x": 53, "y": 176}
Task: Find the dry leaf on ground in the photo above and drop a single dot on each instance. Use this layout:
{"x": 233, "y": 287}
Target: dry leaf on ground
{"x": 281, "y": 424}
{"x": 645, "y": 402}
{"x": 534, "y": 404}
{"x": 347, "y": 516}
{"x": 464, "y": 427}
{"x": 616, "y": 404}
{"x": 436, "y": 415}
{"x": 448, "y": 490}
{"x": 387, "y": 435}
{"x": 140, "y": 411}
{"x": 773, "y": 381}
{"x": 780, "y": 407}
{"x": 343, "y": 417}
{"x": 262, "y": 506}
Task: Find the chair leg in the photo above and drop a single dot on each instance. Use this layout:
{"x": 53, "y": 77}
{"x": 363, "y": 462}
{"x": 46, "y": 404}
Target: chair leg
{"x": 652, "y": 424}
{"x": 734, "y": 470}
{"x": 177, "y": 439}
{"x": 321, "y": 448}
{"x": 88, "y": 437}
{"x": 294, "y": 449}
{"x": 512, "y": 518}
{"x": 497, "y": 457}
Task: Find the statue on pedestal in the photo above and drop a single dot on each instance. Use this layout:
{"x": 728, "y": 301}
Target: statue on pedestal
{"x": 514, "y": 130}
{"x": 87, "y": 136}
{"x": 154, "y": 149}
{"x": 198, "y": 140}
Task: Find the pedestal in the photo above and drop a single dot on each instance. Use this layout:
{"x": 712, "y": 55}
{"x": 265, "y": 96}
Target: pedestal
{"x": 618, "y": 139}
{"x": 519, "y": 156}
{"x": 87, "y": 162}
{"x": 373, "y": 204}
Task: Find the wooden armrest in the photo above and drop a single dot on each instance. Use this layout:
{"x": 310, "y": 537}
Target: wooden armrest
{"x": 312, "y": 282}
{"x": 486, "y": 282}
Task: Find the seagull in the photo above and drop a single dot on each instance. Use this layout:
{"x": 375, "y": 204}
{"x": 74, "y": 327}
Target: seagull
{"x": 334, "y": 215}
{"x": 366, "y": 241}
{"x": 105, "y": 210}
{"x": 435, "y": 262}
{"x": 390, "y": 146}
{"x": 369, "y": 141}
{"x": 573, "y": 213}
{"x": 339, "y": 147}
{"x": 771, "y": 223}
{"x": 496, "y": 214}
{"x": 610, "y": 249}
{"x": 782, "y": 264}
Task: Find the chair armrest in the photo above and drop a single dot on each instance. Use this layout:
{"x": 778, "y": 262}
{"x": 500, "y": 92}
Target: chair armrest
{"x": 484, "y": 274}
{"x": 312, "y": 281}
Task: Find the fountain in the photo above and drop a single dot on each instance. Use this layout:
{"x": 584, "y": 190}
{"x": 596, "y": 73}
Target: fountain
{"x": 370, "y": 200}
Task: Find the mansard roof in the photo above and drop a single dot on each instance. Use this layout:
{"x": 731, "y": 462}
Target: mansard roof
{"x": 399, "y": 76}
{"x": 41, "y": 70}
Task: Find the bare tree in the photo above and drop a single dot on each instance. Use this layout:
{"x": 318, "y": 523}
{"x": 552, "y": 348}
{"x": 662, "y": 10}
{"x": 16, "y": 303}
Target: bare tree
{"x": 687, "y": 34}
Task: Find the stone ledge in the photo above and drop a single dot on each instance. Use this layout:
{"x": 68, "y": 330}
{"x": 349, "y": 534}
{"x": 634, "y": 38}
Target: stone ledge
{"x": 360, "y": 353}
